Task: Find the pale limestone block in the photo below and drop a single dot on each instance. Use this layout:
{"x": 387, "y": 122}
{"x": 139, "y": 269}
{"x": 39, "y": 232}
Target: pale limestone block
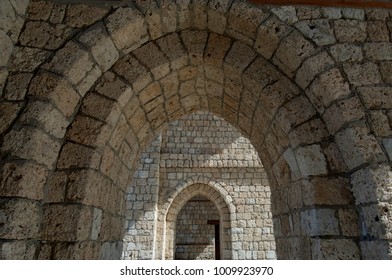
{"x": 311, "y": 160}
{"x": 319, "y": 222}
{"x": 318, "y": 30}
{"x": 372, "y": 184}
{"x": 71, "y": 61}
{"x": 102, "y": 47}
{"x": 358, "y": 145}
{"x": 128, "y": 29}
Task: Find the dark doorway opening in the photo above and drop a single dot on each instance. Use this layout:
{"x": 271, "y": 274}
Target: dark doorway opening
{"x": 217, "y": 237}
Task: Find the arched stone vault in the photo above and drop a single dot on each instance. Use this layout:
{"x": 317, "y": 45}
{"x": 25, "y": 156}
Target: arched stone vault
{"x": 308, "y": 99}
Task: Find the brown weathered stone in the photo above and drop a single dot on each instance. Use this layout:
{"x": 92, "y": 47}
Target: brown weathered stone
{"x": 350, "y": 31}
{"x": 24, "y": 180}
{"x": 15, "y": 223}
{"x": 31, "y": 143}
{"x": 83, "y": 15}
{"x": 71, "y": 222}
{"x": 10, "y": 111}
{"x": 38, "y": 34}
{"x": 130, "y": 22}
{"x": 325, "y": 191}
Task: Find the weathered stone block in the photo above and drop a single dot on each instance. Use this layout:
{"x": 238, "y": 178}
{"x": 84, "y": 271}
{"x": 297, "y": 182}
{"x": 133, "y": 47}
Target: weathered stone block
{"x": 327, "y": 191}
{"x": 378, "y": 51}
{"x": 78, "y": 156}
{"x": 292, "y": 51}
{"x": 312, "y": 67}
{"x": 39, "y": 10}
{"x": 85, "y": 250}
{"x": 133, "y": 71}
{"x": 311, "y": 160}
{"x": 376, "y": 97}
{"x": 376, "y": 221}
{"x": 343, "y": 112}
{"x": 88, "y": 187}
{"x": 245, "y": 19}
{"x": 318, "y": 30}
{"x": 128, "y": 29}
{"x": 26, "y": 59}
{"x": 25, "y": 180}
{"x": 88, "y": 131}
{"x": 349, "y": 222}
{"x": 194, "y": 42}
{"x": 153, "y": 58}
{"x": 172, "y": 47}
{"x": 379, "y": 122}
{"x": 286, "y": 13}
{"x": 363, "y": 74}
{"x": 83, "y": 15}
{"x": 358, "y": 146}
{"x": 376, "y": 249}
{"x": 70, "y": 222}
{"x": 386, "y": 70}
{"x": 269, "y": 35}
{"x": 44, "y": 115}
{"x": 31, "y": 143}
{"x": 39, "y": 34}
{"x": 310, "y": 132}
{"x": 6, "y": 47}
{"x": 319, "y": 222}
{"x": 330, "y": 86}
{"x": 71, "y": 61}
{"x": 372, "y": 184}
{"x": 335, "y": 249}
{"x": 15, "y": 223}
{"x": 18, "y": 250}
{"x": 10, "y": 111}
{"x": 377, "y": 31}
{"x": 350, "y": 31}
{"x": 347, "y": 52}
{"x": 111, "y": 251}
{"x": 17, "y": 86}
{"x": 101, "y": 46}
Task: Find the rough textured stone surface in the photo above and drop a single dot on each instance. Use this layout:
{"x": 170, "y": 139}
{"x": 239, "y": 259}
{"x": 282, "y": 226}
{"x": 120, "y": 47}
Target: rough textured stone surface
{"x": 343, "y": 249}
{"x": 309, "y": 87}
{"x": 359, "y": 146}
{"x": 26, "y": 180}
{"x": 372, "y": 184}
{"x": 16, "y": 224}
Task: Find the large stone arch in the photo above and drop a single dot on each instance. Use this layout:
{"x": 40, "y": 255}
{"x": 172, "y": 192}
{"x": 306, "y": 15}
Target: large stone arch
{"x": 179, "y": 201}
{"x": 106, "y": 93}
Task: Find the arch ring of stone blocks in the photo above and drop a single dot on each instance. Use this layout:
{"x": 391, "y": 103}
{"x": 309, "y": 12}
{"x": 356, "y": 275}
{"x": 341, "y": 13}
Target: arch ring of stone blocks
{"x": 107, "y": 95}
{"x": 211, "y": 191}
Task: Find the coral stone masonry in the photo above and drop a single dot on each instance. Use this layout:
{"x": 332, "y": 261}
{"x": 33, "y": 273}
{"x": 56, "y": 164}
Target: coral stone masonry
{"x": 127, "y": 128}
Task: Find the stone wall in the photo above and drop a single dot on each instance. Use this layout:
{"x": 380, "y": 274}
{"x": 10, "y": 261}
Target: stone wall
{"x": 205, "y": 146}
{"x": 309, "y": 86}
{"x": 195, "y": 238}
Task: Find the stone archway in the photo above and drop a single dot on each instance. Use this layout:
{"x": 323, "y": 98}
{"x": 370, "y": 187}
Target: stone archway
{"x": 108, "y": 94}
{"x": 181, "y": 199}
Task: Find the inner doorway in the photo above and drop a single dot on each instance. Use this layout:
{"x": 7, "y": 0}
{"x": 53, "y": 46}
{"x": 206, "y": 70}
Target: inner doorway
{"x": 197, "y": 231}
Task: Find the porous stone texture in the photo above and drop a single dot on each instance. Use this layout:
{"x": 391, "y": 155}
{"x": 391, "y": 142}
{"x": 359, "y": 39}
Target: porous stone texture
{"x": 84, "y": 90}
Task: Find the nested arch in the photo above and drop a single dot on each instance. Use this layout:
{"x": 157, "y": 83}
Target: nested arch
{"x": 181, "y": 199}
{"x": 112, "y": 93}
